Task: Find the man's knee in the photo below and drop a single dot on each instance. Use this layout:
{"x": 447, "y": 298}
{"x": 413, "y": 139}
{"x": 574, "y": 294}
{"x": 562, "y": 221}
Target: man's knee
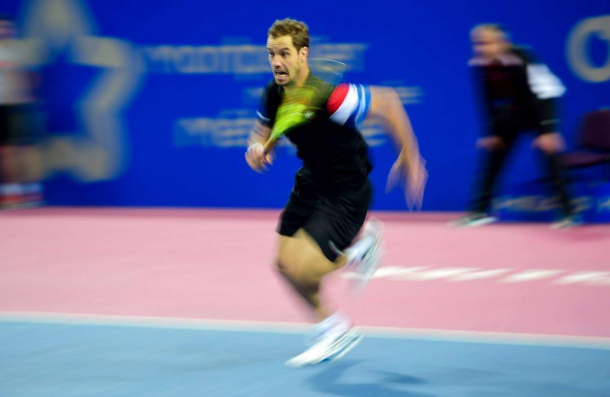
{"x": 298, "y": 267}
{"x": 301, "y": 259}
{"x": 287, "y": 264}
{"x": 277, "y": 266}
{"x": 280, "y": 267}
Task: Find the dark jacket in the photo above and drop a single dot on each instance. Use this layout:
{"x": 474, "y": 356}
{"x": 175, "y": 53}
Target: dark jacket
{"x": 518, "y": 92}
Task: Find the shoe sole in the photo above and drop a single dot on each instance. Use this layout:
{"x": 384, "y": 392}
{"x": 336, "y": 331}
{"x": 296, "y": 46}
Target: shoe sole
{"x": 353, "y": 342}
{"x": 343, "y": 346}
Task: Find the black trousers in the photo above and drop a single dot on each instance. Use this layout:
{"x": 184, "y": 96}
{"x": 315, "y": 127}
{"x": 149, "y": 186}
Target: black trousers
{"x": 492, "y": 165}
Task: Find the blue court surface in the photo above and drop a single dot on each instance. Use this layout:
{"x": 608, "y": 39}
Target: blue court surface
{"x": 81, "y": 360}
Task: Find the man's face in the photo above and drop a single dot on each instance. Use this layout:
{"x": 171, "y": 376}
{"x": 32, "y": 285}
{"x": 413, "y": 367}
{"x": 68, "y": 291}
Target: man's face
{"x": 285, "y": 60}
{"x": 488, "y": 43}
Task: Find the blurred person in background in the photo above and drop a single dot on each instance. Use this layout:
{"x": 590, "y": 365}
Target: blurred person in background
{"x": 20, "y": 165}
{"x": 518, "y": 94}
{"x": 331, "y": 196}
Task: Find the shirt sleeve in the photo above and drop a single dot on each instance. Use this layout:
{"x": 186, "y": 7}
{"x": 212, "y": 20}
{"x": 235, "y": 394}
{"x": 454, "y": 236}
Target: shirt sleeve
{"x": 268, "y": 104}
{"x": 262, "y": 114}
{"x": 349, "y": 104}
{"x": 546, "y": 88}
{"x": 543, "y": 83}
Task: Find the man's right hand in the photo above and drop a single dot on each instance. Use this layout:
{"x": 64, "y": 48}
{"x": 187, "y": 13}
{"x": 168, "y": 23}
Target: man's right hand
{"x": 256, "y": 158}
{"x": 491, "y": 143}
{"x": 413, "y": 171}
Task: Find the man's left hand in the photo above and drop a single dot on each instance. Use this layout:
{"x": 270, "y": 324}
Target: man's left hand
{"x": 550, "y": 143}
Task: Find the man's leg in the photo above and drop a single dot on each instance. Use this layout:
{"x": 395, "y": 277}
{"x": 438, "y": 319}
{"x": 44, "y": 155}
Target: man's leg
{"x": 491, "y": 162}
{"x": 491, "y": 166}
{"x": 315, "y": 227}
{"x": 303, "y": 264}
{"x": 559, "y": 182}
{"x": 551, "y": 144}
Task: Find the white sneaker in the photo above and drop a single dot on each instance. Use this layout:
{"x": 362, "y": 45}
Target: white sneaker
{"x": 474, "y": 219}
{"x": 328, "y": 348}
{"x": 367, "y": 262}
{"x": 567, "y": 222}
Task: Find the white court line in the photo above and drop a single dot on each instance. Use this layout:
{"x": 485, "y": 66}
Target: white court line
{"x": 554, "y": 277}
{"x": 508, "y": 338}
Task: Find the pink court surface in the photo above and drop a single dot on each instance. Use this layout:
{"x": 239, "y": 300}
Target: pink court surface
{"x": 517, "y": 279}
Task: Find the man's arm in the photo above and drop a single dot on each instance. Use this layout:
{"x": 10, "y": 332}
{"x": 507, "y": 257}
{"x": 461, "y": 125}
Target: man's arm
{"x": 255, "y": 156}
{"x": 490, "y": 138}
{"x": 547, "y": 89}
{"x": 260, "y": 133}
{"x": 387, "y": 107}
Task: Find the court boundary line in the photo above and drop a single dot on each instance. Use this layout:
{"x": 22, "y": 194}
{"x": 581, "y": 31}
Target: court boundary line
{"x": 441, "y": 335}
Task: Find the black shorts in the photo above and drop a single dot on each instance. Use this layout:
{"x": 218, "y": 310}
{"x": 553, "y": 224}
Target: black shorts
{"x": 329, "y": 217}
{"x": 509, "y": 125}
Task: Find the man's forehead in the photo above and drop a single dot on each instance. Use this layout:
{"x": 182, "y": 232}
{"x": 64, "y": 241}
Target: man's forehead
{"x": 279, "y": 42}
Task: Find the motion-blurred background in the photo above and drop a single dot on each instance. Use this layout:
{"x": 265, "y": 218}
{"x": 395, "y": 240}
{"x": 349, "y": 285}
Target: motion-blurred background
{"x": 149, "y": 103}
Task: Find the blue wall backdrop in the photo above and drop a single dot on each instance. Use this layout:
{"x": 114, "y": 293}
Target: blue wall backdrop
{"x": 149, "y": 103}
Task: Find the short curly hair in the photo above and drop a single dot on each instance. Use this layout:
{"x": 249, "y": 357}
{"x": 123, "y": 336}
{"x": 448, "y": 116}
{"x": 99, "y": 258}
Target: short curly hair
{"x": 289, "y": 27}
{"x": 497, "y": 28}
